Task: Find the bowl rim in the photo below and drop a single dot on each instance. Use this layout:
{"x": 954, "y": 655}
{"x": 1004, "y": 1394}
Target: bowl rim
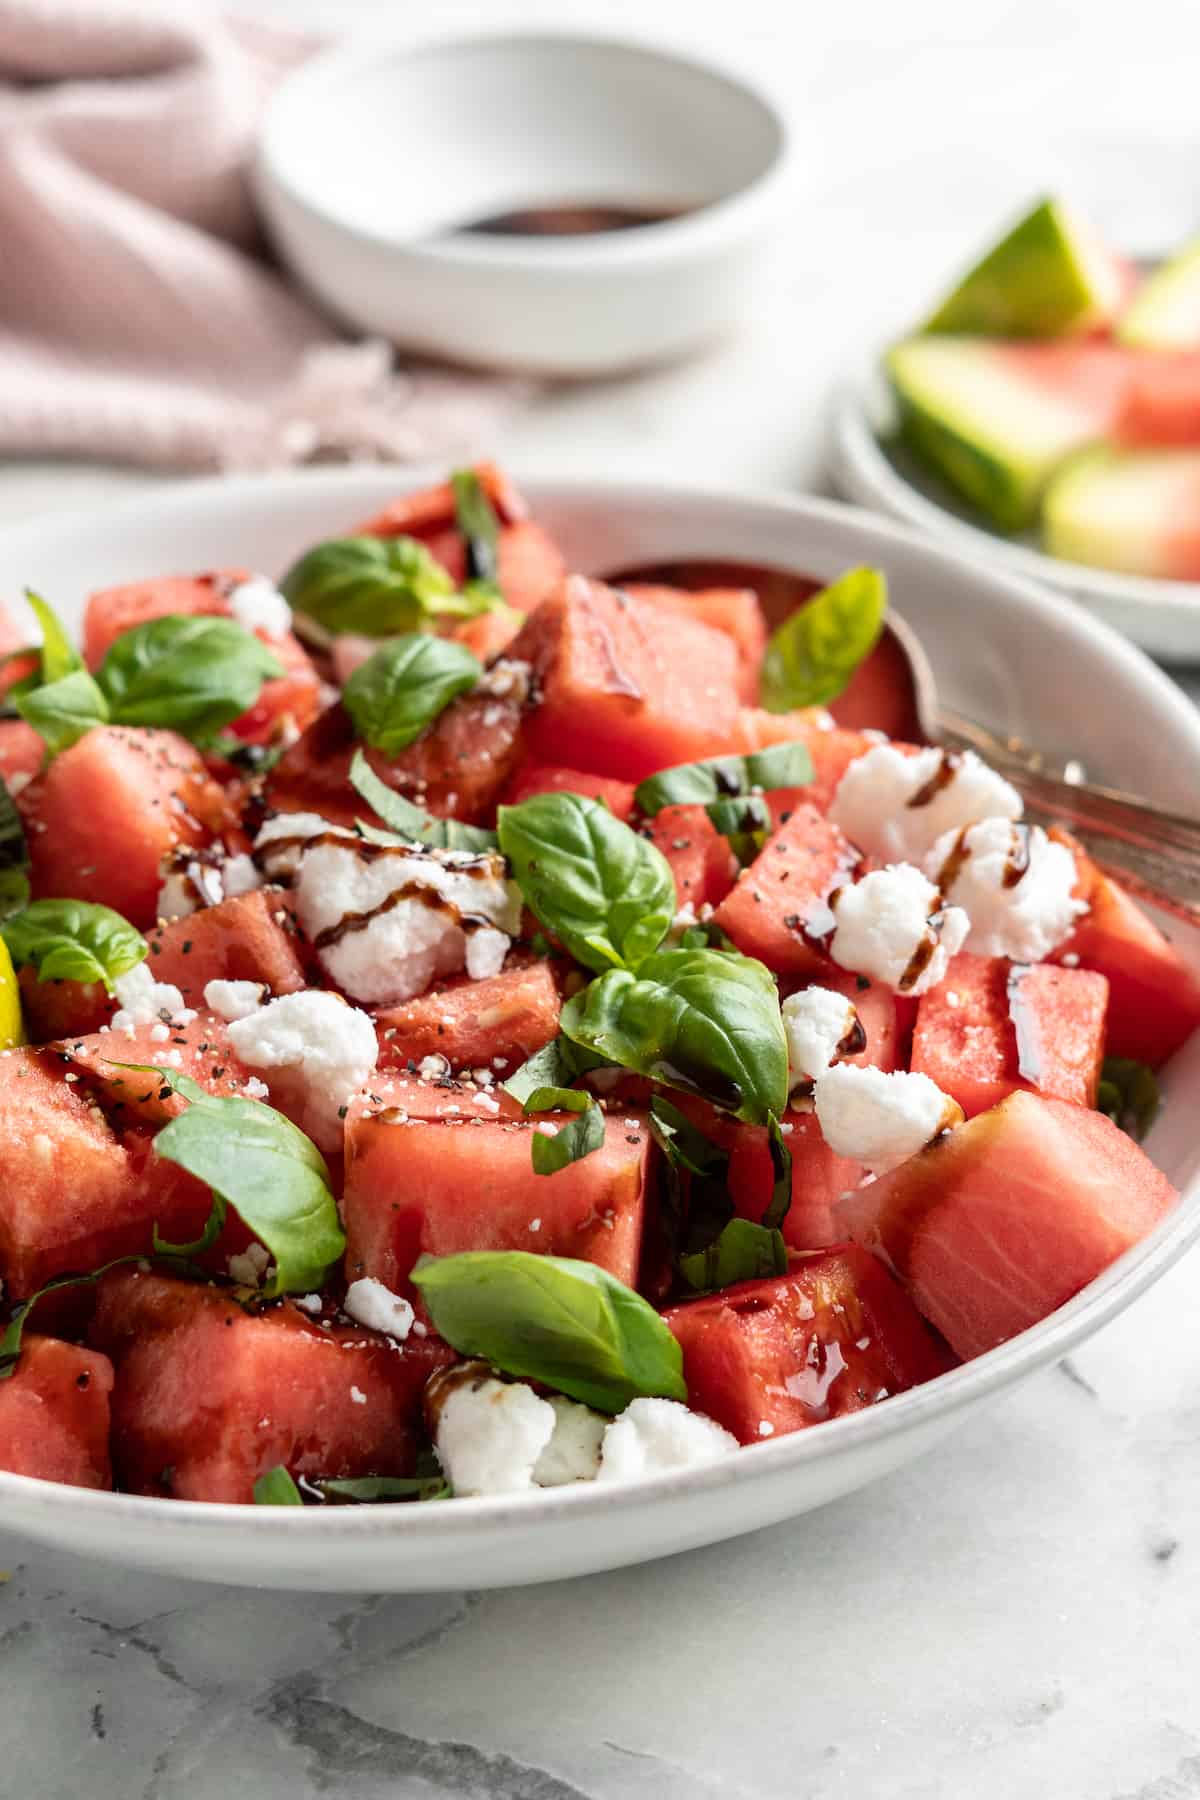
{"x": 865, "y": 473}
{"x": 946, "y": 1395}
{"x": 710, "y": 225}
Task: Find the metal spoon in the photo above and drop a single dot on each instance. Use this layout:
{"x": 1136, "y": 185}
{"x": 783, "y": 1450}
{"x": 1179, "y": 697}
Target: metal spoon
{"x": 1155, "y": 852}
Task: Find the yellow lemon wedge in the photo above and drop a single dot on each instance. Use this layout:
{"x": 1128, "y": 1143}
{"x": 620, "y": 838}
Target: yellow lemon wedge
{"x": 11, "y": 1030}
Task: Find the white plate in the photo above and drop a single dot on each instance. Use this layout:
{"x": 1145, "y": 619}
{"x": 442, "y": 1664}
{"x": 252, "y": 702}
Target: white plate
{"x": 1003, "y": 650}
{"x": 1162, "y": 616}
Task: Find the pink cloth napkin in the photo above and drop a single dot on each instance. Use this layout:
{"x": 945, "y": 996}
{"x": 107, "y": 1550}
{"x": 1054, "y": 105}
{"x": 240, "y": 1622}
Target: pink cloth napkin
{"x": 140, "y": 318}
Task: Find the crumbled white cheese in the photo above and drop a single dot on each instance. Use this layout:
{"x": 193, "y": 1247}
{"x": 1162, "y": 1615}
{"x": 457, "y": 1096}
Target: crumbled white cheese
{"x": 1023, "y": 919}
{"x": 573, "y": 1453}
{"x": 196, "y": 878}
{"x": 893, "y": 926}
{"x": 490, "y": 1435}
{"x": 258, "y": 605}
{"x": 232, "y": 1000}
{"x": 653, "y": 1436}
{"x": 507, "y": 679}
{"x": 239, "y": 875}
{"x": 357, "y": 1395}
{"x": 250, "y": 1265}
{"x": 879, "y": 804}
{"x": 143, "y": 1001}
{"x": 458, "y": 910}
{"x": 817, "y": 1022}
{"x": 309, "y": 1303}
{"x": 880, "y": 1119}
{"x": 368, "y": 1302}
{"x": 256, "y": 1089}
{"x": 318, "y": 1052}
{"x": 282, "y": 830}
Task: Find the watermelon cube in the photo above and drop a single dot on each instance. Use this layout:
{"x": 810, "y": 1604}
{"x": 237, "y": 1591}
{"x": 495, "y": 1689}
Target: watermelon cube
{"x": 992, "y": 1026}
{"x": 199, "y": 1049}
{"x": 493, "y": 1024}
{"x": 541, "y": 778}
{"x": 1000, "y": 1221}
{"x": 735, "y": 611}
{"x": 208, "y": 1396}
{"x": 833, "y": 1335}
{"x": 1162, "y": 402}
{"x": 1153, "y": 994}
{"x": 108, "y": 810}
{"x": 432, "y": 509}
{"x": 626, "y": 688}
{"x": 54, "y": 1414}
{"x": 22, "y": 752}
{"x": 57, "y": 1009}
{"x": 251, "y": 937}
{"x": 819, "y": 1178}
{"x": 701, "y": 861}
{"x": 785, "y": 893}
{"x": 418, "y": 1186}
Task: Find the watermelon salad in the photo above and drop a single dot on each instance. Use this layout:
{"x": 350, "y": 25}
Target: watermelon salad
{"x": 1056, "y": 389}
{"x": 469, "y": 1029}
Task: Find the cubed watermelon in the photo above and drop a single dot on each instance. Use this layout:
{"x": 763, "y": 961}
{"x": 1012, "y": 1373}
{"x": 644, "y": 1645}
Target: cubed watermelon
{"x": 735, "y": 611}
{"x": 432, "y": 509}
{"x": 626, "y": 688}
{"x": 108, "y": 810}
{"x": 22, "y": 752}
{"x": 199, "y": 1049}
{"x": 57, "y": 1009}
{"x": 416, "y": 1186}
{"x": 209, "y": 1396}
{"x": 54, "y": 1414}
{"x": 1162, "y": 401}
{"x": 992, "y": 1026}
{"x": 251, "y": 937}
{"x": 785, "y": 891}
{"x": 540, "y": 778}
{"x": 833, "y": 1335}
{"x": 493, "y": 1024}
{"x": 701, "y": 861}
{"x": 1000, "y": 1221}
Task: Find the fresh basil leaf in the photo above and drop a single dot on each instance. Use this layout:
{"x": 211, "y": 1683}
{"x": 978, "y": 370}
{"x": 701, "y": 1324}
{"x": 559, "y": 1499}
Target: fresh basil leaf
{"x": 248, "y": 759}
{"x": 588, "y": 878}
{"x": 191, "y": 673}
{"x": 743, "y": 1252}
{"x": 1129, "y": 1094}
{"x": 780, "y": 1203}
{"x": 379, "y": 586}
{"x": 694, "y": 1193}
{"x": 14, "y": 857}
{"x": 557, "y": 1065}
{"x": 73, "y": 940}
{"x": 812, "y": 656}
{"x": 745, "y": 823}
{"x": 411, "y": 822}
{"x": 369, "y": 1490}
{"x": 214, "y": 1225}
{"x": 476, "y": 519}
{"x": 58, "y": 655}
{"x": 267, "y": 1170}
{"x": 404, "y": 685}
{"x": 276, "y": 1488}
{"x": 572, "y": 1141}
{"x": 725, "y": 778}
{"x": 705, "y": 1021}
{"x": 549, "y": 1318}
{"x": 63, "y": 711}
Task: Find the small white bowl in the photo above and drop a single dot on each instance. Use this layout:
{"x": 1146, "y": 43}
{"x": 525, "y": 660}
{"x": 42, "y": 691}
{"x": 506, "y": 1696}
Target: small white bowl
{"x": 372, "y": 158}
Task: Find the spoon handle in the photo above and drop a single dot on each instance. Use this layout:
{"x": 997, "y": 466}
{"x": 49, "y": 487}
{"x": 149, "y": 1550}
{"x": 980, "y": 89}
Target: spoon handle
{"x": 1151, "y": 850}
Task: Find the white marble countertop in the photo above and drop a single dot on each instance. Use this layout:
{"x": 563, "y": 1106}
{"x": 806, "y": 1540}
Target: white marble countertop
{"x": 1016, "y": 1615}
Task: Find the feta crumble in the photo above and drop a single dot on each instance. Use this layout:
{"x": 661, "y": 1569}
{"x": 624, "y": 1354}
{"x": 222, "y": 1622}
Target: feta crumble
{"x": 573, "y": 1453}
{"x": 232, "y": 1000}
{"x": 368, "y": 1302}
{"x": 893, "y": 926}
{"x": 250, "y": 1265}
{"x": 895, "y": 807}
{"x": 881, "y": 1119}
{"x": 275, "y": 850}
{"x": 818, "y": 1023}
{"x": 507, "y": 679}
{"x": 143, "y": 1001}
{"x": 192, "y": 879}
{"x": 491, "y": 1434}
{"x": 258, "y": 605}
{"x": 653, "y": 1436}
{"x": 357, "y": 1395}
{"x": 1015, "y": 884}
{"x": 319, "y": 1052}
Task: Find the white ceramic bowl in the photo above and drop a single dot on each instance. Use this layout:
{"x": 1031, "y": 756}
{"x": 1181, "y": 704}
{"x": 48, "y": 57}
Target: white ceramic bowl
{"x": 1002, "y": 650}
{"x": 371, "y": 156}
{"x": 1162, "y": 616}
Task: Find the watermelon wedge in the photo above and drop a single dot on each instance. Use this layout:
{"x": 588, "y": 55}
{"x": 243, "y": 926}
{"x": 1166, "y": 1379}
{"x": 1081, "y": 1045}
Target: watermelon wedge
{"x": 1162, "y": 403}
{"x": 995, "y": 419}
{"x": 1164, "y": 313}
{"x": 1137, "y": 511}
{"x": 1049, "y": 276}
{"x": 998, "y": 1223}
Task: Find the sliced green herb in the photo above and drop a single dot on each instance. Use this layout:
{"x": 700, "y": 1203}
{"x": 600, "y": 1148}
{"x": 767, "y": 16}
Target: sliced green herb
{"x": 557, "y": 1065}
{"x": 1129, "y": 1094}
{"x": 191, "y": 673}
{"x": 214, "y": 1225}
{"x": 11, "y": 1341}
{"x": 725, "y": 778}
{"x": 603, "y": 891}
{"x": 404, "y": 685}
{"x": 411, "y": 822}
{"x": 781, "y": 1176}
{"x": 14, "y": 857}
{"x": 276, "y": 1488}
{"x": 548, "y": 1318}
{"x": 73, "y": 940}
{"x": 370, "y": 1490}
{"x": 476, "y": 519}
{"x": 572, "y": 1141}
{"x": 705, "y": 1021}
{"x": 694, "y": 1195}
{"x": 745, "y": 822}
{"x": 61, "y": 712}
{"x": 379, "y": 586}
{"x": 743, "y": 1252}
{"x": 58, "y": 655}
{"x": 813, "y": 655}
